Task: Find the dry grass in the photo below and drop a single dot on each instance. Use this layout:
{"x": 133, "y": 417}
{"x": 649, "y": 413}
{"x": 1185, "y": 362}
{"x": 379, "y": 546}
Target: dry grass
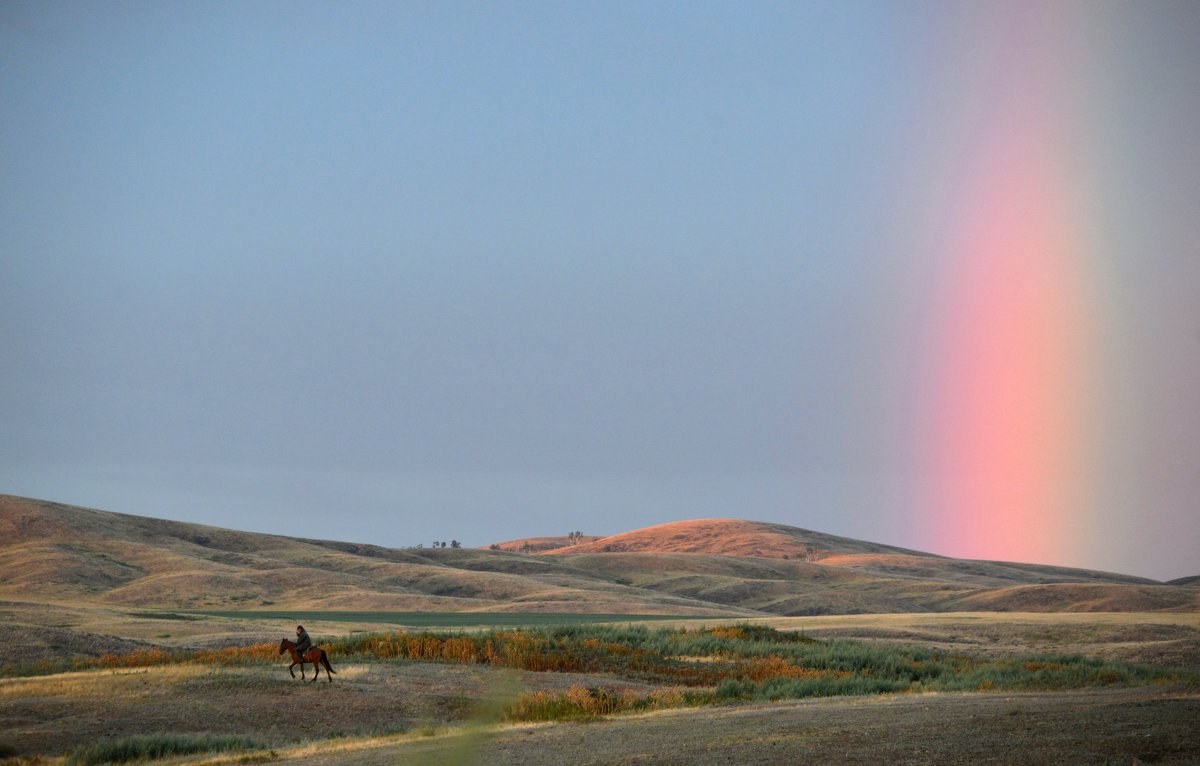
{"x": 429, "y": 703}
{"x": 540, "y": 544}
{"x": 725, "y": 537}
{"x": 1162, "y": 639}
{"x": 61, "y": 554}
{"x": 85, "y": 583}
{"x": 1093, "y": 727}
{"x": 54, "y": 553}
{"x": 52, "y": 714}
{"x": 80, "y": 582}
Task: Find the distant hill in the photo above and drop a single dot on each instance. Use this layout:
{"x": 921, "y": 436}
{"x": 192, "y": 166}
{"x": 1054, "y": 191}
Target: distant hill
{"x": 730, "y": 537}
{"x": 1193, "y": 581}
{"x": 54, "y": 553}
{"x": 541, "y": 544}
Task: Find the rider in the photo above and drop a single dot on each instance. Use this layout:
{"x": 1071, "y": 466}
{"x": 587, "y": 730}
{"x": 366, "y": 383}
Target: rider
{"x": 303, "y": 642}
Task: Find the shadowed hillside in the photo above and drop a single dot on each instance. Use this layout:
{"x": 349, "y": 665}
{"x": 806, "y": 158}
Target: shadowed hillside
{"x": 58, "y": 553}
{"x": 54, "y": 553}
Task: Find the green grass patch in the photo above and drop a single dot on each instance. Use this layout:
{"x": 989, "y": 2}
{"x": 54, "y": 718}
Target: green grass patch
{"x": 442, "y": 619}
{"x": 165, "y": 616}
{"x": 150, "y": 746}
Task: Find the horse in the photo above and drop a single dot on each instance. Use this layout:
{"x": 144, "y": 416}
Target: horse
{"x": 314, "y": 655}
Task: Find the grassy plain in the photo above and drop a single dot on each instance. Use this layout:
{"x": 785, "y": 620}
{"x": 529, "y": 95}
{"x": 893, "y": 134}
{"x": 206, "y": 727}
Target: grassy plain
{"x": 150, "y": 617}
{"x": 389, "y": 710}
{"x": 435, "y": 619}
{"x": 1092, "y": 727}
{"x": 1162, "y": 639}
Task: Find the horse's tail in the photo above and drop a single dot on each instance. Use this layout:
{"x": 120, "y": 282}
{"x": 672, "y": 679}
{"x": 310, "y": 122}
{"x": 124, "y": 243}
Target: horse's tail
{"x": 325, "y": 662}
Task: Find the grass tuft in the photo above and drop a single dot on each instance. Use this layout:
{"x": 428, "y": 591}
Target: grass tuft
{"x": 161, "y": 745}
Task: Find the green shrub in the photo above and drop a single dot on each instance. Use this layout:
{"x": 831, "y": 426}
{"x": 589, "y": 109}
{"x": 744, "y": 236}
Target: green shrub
{"x": 798, "y": 688}
{"x": 150, "y": 746}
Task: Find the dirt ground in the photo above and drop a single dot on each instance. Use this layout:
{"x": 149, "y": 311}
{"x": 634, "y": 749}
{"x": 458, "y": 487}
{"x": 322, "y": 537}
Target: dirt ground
{"x": 1130, "y": 726}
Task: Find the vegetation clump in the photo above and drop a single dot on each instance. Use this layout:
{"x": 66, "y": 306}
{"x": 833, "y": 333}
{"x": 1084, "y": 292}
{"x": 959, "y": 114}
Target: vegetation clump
{"x": 586, "y": 702}
{"x": 734, "y": 663}
{"x": 695, "y": 666}
{"x": 151, "y": 746}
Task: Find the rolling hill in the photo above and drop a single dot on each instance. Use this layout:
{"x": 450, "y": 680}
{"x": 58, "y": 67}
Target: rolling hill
{"x": 59, "y": 554}
{"x": 729, "y": 537}
{"x": 56, "y": 553}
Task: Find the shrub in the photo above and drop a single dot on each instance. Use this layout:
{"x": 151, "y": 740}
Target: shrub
{"x": 582, "y": 702}
{"x": 161, "y": 745}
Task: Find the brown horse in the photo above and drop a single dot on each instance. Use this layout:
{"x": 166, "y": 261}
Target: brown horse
{"x": 314, "y": 655}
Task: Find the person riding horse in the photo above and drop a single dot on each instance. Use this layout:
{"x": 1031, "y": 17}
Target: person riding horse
{"x": 303, "y": 642}
{"x": 303, "y": 651}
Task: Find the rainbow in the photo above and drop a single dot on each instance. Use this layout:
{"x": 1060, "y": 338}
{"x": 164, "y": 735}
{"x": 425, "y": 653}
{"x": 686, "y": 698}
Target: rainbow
{"x": 1003, "y": 404}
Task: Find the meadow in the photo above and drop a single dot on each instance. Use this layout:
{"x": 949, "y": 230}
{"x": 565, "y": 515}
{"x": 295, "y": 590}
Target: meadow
{"x": 460, "y": 691}
{"x": 129, "y": 638}
{"x": 427, "y": 619}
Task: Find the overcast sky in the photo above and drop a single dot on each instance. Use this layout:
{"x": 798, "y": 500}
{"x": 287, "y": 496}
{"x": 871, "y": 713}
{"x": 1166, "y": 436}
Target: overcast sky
{"x": 400, "y": 272}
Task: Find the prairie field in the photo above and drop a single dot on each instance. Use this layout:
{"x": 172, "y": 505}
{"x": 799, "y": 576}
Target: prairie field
{"x": 720, "y": 641}
{"x": 996, "y": 688}
{"x": 1103, "y": 727}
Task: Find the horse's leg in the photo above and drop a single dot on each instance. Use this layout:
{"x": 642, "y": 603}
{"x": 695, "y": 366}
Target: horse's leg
{"x": 292, "y": 671}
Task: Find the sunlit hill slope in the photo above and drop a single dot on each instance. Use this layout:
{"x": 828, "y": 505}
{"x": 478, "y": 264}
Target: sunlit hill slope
{"x": 54, "y": 553}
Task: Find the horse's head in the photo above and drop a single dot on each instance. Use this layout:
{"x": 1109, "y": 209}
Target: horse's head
{"x": 283, "y": 645}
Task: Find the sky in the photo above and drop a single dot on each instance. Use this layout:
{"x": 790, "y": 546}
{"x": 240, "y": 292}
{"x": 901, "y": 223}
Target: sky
{"x": 925, "y": 274}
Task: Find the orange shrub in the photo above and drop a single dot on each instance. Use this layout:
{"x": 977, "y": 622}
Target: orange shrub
{"x": 138, "y": 658}
{"x": 460, "y": 649}
{"x": 576, "y": 701}
{"x": 233, "y": 655}
{"x": 1033, "y": 667}
{"x": 762, "y": 668}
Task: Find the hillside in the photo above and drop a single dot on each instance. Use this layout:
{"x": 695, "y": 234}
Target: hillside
{"x": 739, "y": 538}
{"x": 58, "y": 554}
{"x": 541, "y": 544}
{"x": 729, "y": 537}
